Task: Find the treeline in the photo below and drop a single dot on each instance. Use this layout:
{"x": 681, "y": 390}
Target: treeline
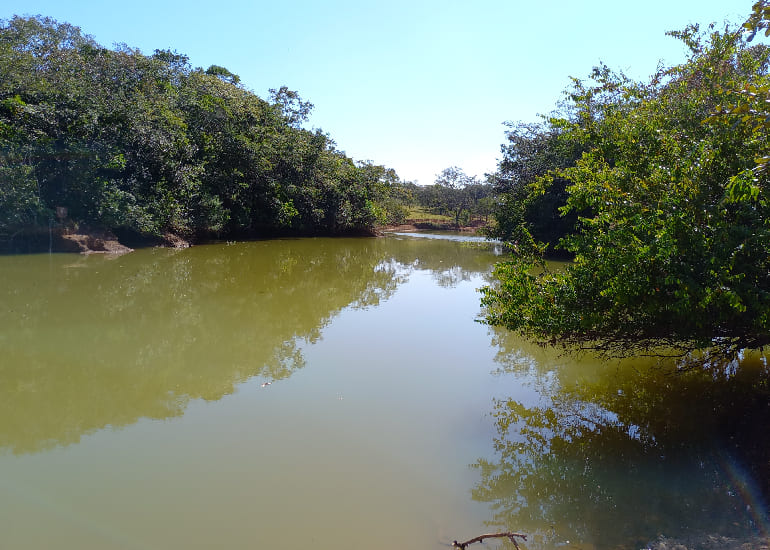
{"x": 659, "y": 190}
{"x": 146, "y": 144}
{"x": 463, "y": 198}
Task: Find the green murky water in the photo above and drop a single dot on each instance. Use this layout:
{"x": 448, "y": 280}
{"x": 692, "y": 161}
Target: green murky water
{"x": 135, "y": 410}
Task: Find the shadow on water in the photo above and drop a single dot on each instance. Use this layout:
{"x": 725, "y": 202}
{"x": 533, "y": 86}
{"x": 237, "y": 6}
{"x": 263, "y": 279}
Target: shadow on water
{"x": 623, "y": 454}
{"x": 95, "y": 342}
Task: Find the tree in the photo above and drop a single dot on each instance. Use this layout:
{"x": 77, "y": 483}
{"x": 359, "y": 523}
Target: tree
{"x": 146, "y": 145}
{"x": 292, "y": 106}
{"x": 530, "y": 195}
{"x": 224, "y": 74}
{"x": 750, "y": 104}
{"x": 483, "y": 202}
{"x": 670, "y": 255}
{"x": 453, "y": 196}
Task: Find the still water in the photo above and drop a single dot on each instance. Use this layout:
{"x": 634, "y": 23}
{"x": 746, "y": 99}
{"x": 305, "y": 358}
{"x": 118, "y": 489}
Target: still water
{"x": 340, "y": 394}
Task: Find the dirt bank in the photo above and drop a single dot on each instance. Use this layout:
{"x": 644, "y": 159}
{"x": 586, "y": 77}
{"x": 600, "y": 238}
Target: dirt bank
{"x": 82, "y": 240}
{"x": 89, "y": 242}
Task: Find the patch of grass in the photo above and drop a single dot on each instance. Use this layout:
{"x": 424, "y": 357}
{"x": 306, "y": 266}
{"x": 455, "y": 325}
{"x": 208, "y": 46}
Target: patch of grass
{"x": 420, "y": 213}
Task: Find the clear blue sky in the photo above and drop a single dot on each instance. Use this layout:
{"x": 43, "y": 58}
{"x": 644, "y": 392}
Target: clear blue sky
{"x": 416, "y": 85}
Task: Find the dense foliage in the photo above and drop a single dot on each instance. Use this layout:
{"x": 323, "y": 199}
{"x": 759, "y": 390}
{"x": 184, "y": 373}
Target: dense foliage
{"x": 672, "y": 244}
{"x": 526, "y": 211}
{"x": 148, "y": 144}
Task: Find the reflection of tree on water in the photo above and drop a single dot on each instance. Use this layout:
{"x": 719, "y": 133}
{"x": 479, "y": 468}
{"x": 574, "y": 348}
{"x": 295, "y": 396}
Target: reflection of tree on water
{"x": 89, "y": 342}
{"x": 449, "y": 261}
{"x": 617, "y": 455}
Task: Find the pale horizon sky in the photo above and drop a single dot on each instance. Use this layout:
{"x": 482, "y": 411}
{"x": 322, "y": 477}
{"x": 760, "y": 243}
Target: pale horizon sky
{"x": 417, "y": 86}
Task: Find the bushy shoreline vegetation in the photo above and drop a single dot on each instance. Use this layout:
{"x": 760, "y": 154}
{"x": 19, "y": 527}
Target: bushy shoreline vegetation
{"x": 663, "y": 186}
{"x": 146, "y": 144}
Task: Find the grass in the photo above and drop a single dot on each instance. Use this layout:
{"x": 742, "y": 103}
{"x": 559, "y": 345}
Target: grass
{"x": 419, "y": 213}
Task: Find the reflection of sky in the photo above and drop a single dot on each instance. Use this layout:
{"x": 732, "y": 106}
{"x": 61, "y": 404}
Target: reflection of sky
{"x": 447, "y": 236}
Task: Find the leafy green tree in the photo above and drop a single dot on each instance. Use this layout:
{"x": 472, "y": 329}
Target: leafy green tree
{"x": 224, "y": 74}
{"x": 20, "y": 204}
{"x": 452, "y": 186}
{"x": 758, "y": 20}
{"x": 146, "y": 145}
{"x": 749, "y": 106}
{"x": 291, "y": 105}
{"x": 38, "y": 63}
{"x": 427, "y": 196}
{"x": 396, "y": 198}
{"x": 669, "y": 256}
{"x": 482, "y": 200}
{"x": 530, "y": 195}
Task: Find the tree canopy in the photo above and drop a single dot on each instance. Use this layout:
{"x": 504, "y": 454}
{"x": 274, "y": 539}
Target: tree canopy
{"x": 147, "y": 144}
{"x": 670, "y": 195}
{"x": 532, "y": 152}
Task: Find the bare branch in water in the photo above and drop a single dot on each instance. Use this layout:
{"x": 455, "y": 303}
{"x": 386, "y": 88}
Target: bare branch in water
{"x": 480, "y": 538}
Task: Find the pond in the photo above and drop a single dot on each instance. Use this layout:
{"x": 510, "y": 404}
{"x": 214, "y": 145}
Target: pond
{"x": 340, "y": 394}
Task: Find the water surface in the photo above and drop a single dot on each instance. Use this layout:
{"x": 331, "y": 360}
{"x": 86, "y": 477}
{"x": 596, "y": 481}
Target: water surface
{"x": 337, "y": 393}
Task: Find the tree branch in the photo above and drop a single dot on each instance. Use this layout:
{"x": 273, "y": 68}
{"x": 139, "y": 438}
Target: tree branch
{"x": 480, "y": 538}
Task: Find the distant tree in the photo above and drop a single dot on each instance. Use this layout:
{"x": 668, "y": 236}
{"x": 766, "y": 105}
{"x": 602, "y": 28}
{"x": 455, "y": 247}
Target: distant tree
{"x": 452, "y": 186}
{"x": 485, "y": 206}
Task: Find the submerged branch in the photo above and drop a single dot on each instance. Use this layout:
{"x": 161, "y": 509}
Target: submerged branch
{"x": 480, "y": 538}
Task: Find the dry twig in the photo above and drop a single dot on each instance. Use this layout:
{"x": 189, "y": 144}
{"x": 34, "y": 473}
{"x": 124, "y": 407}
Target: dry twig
{"x": 480, "y": 538}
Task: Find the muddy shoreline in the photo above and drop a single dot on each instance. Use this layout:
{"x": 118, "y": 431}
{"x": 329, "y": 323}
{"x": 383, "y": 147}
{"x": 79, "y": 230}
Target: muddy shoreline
{"x": 92, "y": 240}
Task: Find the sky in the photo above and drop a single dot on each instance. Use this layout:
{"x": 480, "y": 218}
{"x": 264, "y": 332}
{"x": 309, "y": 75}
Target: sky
{"x": 415, "y": 85}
